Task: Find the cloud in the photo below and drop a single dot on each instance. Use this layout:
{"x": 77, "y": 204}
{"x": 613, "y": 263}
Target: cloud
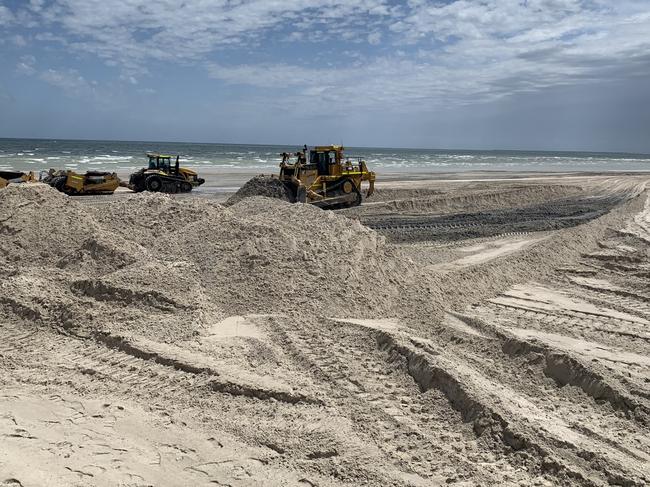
{"x": 6, "y": 16}
{"x": 36, "y": 5}
{"x": 105, "y": 96}
{"x": 472, "y": 52}
{"x": 131, "y": 32}
{"x": 421, "y": 54}
{"x": 26, "y": 65}
{"x": 19, "y": 40}
{"x": 69, "y": 81}
{"x": 50, "y": 37}
{"x": 374, "y": 38}
{"x": 268, "y": 75}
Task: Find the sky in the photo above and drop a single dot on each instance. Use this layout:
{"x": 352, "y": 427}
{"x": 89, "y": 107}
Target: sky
{"x": 471, "y": 74}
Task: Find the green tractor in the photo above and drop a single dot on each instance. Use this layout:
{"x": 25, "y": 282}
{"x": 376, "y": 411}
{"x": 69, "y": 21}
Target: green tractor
{"x": 163, "y": 176}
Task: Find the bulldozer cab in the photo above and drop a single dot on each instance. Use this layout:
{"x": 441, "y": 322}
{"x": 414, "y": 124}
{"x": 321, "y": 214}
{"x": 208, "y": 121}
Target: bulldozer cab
{"x": 163, "y": 163}
{"x": 324, "y": 158}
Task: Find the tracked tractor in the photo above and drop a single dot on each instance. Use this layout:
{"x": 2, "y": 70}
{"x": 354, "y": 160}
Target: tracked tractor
{"x": 72, "y": 183}
{"x": 323, "y": 177}
{"x": 164, "y": 176}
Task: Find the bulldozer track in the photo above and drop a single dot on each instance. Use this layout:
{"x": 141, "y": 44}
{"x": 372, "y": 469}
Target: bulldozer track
{"x": 463, "y": 243}
{"x": 625, "y": 302}
{"x": 85, "y": 356}
{"x": 569, "y": 409}
{"x": 432, "y": 229}
{"x": 573, "y": 320}
{"x": 126, "y": 368}
{"x": 387, "y": 408}
{"x": 512, "y": 221}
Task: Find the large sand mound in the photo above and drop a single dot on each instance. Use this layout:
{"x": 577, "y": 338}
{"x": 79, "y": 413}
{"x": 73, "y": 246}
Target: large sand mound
{"x": 266, "y": 254}
{"x": 37, "y": 223}
{"x": 166, "y": 267}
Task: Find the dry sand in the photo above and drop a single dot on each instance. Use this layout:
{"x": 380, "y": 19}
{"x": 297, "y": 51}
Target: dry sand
{"x": 261, "y": 186}
{"x": 450, "y": 332}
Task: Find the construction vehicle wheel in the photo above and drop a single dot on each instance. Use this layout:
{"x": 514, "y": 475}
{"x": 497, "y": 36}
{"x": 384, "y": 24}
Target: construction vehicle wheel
{"x": 186, "y": 187}
{"x": 59, "y": 183}
{"x": 357, "y": 200}
{"x": 347, "y": 186}
{"x": 153, "y": 183}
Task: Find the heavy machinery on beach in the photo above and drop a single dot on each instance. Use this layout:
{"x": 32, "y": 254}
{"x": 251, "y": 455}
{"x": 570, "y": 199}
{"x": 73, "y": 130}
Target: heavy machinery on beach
{"x": 10, "y": 177}
{"x": 164, "y": 176}
{"x": 327, "y": 179}
{"x": 72, "y": 183}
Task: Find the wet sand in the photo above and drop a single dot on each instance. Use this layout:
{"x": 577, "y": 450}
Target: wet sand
{"x": 457, "y": 329}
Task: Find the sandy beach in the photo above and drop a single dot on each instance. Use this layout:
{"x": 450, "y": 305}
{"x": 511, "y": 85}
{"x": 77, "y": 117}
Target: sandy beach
{"x": 484, "y": 328}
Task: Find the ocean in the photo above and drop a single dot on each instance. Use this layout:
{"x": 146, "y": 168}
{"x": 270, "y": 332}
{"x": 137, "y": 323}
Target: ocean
{"x": 123, "y": 157}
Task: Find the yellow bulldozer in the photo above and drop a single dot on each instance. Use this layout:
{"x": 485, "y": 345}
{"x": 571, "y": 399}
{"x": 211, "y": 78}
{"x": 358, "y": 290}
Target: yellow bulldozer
{"x": 10, "y": 177}
{"x": 327, "y": 179}
{"x": 165, "y": 176}
{"x": 72, "y": 183}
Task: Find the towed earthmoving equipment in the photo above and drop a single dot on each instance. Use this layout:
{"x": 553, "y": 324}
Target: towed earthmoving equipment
{"x": 11, "y": 177}
{"x": 163, "y": 175}
{"x": 327, "y": 179}
{"x": 72, "y": 183}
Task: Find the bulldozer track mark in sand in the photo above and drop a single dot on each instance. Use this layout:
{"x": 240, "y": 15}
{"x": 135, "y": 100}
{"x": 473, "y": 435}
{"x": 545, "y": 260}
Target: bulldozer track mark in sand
{"x": 629, "y": 302}
{"x": 560, "y": 365}
{"x": 615, "y": 292}
{"x": 573, "y": 314}
{"x": 593, "y": 419}
{"x": 17, "y": 340}
{"x": 460, "y": 226}
{"x": 370, "y": 384}
{"x": 584, "y": 323}
{"x": 566, "y": 369}
{"x": 463, "y": 243}
{"x": 501, "y": 412}
{"x": 140, "y": 371}
{"x": 566, "y": 324}
{"x": 400, "y": 231}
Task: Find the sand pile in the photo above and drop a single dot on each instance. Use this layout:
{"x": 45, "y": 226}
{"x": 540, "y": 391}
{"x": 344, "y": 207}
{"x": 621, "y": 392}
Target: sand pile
{"x": 165, "y": 267}
{"x": 70, "y": 265}
{"x": 261, "y": 186}
{"x": 147, "y": 218}
{"x": 37, "y": 223}
{"x": 265, "y": 254}
{"x": 42, "y": 227}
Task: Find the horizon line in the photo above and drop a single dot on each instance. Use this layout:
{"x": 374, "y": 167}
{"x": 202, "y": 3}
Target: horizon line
{"x": 446, "y": 149}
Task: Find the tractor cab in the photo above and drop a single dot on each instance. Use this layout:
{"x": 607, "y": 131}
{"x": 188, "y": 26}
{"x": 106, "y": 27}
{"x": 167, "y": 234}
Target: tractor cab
{"x": 163, "y": 163}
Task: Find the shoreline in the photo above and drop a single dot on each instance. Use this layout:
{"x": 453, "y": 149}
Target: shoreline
{"x": 222, "y": 183}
